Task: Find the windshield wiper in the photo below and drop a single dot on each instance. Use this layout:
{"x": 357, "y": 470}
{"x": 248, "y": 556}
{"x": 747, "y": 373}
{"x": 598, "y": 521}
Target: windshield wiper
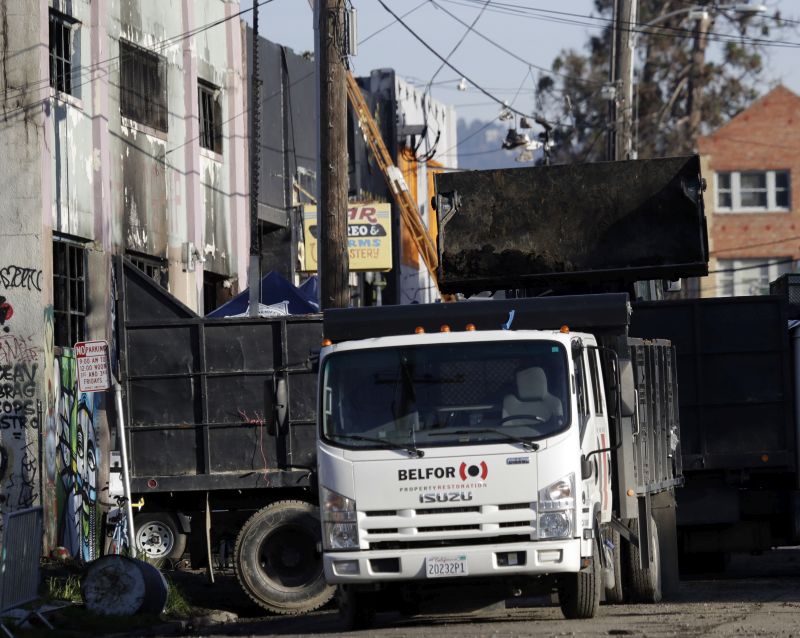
{"x": 411, "y": 449}
{"x": 528, "y": 445}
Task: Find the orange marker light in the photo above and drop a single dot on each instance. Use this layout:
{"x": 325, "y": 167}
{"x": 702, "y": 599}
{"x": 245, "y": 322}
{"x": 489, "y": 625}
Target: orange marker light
{"x": 419, "y": 330}
{"x": 326, "y": 342}
{"x": 470, "y": 327}
{"x": 764, "y": 458}
{"x": 444, "y": 328}
{"x": 565, "y": 329}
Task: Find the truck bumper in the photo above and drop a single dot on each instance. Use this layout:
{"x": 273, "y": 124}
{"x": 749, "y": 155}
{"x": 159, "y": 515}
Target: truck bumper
{"x": 513, "y": 559}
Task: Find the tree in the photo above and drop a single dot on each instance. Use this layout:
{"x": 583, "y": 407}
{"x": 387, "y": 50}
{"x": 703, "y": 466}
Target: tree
{"x": 693, "y": 74}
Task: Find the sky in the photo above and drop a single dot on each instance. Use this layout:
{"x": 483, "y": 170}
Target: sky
{"x": 534, "y": 41}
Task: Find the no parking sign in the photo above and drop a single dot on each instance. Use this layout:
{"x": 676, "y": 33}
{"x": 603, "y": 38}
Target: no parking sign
{"x": 93, "y": 367}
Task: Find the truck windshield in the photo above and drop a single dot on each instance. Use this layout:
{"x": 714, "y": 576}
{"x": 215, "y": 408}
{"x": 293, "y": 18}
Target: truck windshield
{"x": 446, "y": 394}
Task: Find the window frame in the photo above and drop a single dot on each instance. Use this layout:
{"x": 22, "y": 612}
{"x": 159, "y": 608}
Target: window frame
{"x": 154, "y": 267}
{"x": 74, "y": 310}
{"x": 66, "y": 25}
{"x": 209, "y": 115}
{"x": 770, "y": 269}
{"x": 139, "y": 103}
{"x": 735, "y": 190}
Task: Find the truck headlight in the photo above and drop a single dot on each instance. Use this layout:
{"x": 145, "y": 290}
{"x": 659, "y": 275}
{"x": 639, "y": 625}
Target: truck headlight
{"x": 339, "y": 521}
{"x": 557, "y": 509}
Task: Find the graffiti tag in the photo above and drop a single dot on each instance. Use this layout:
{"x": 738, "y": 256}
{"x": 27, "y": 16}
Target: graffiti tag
{"x": 19, "y": 277}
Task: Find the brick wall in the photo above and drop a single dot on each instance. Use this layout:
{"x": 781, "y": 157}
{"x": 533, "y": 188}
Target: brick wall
{"x": 764, "y": 137}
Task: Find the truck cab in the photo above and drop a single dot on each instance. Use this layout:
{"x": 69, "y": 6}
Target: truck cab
{"x": 463, "y": 455}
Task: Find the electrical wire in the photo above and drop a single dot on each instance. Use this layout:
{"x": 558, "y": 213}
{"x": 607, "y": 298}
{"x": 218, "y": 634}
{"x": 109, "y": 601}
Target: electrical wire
{"x": 452, "y": 67}
{"x": 636, "y": 27}
{"x": 392, "y": 23}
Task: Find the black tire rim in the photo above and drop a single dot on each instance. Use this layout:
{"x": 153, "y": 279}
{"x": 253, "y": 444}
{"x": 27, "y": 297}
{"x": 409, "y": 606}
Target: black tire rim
{"x": 288, "y": 558}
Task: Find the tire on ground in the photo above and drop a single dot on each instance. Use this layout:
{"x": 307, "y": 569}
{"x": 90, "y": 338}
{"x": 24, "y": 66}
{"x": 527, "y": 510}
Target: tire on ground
{"x": 158, "y": 536}
{"x": 614, "y": 595}
{"x": 579, "y": 594}
{"x": 276, "y": 558}
{"x": 643, "y": 585}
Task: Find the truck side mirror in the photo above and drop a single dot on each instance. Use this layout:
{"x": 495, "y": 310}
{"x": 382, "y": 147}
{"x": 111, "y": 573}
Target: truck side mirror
{"x": 627, "y": 389}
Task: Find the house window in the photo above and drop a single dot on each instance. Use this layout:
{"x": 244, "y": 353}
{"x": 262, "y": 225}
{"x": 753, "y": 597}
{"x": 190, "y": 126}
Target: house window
{"x": 61, "y": 43}
{"x": 69, "y": 293}
{"x": 752, "y": 191}
{"x": 153, "y": 267}
{"x": 210, "y": 116}
{"x": 143, "y": 85}
{"x": 737, "y": 277}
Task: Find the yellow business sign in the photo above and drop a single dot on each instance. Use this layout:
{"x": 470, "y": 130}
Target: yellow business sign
{"x": 369, "y": 237}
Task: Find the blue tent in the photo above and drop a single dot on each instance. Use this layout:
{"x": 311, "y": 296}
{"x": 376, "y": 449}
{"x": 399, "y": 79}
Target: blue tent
{"x": 274, "y": 289}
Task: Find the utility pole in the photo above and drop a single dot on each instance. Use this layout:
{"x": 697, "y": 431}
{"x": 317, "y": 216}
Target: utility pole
{"x": 626, "y": 45}
{"x": 611, "y": 89}
{"x": 254, "y": 269}
{"x": 620, "y": 138}
{"x": 694, "y": 100}
{"x": 333, "y": 177}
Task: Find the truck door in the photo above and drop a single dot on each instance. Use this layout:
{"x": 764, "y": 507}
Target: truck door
{"x": 593, "y": 416}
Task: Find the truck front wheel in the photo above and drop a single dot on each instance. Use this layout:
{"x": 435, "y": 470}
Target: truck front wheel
{"x": 276, "y": 558}
{"x": 579, "y": 594}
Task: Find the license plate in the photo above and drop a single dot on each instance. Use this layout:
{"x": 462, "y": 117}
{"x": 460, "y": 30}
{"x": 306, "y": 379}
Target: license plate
{"x": 445, "y": 566}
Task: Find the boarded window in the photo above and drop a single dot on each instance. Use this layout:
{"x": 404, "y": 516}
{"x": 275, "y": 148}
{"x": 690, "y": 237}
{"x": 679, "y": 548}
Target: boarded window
{"x": 210, "y": 116}
{"x": 142, "y": 85}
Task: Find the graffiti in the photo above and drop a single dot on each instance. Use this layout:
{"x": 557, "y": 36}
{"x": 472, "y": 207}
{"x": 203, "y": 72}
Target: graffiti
{"x": 19, "y": 277}
{"x": 77, "y": 455}
{"x": 17, "y": 391}
{"x": 23, "y": 482}
{"x": 48, "y": 470}
{"x": 6, "y": 312}
{"x": 16, "y": 349}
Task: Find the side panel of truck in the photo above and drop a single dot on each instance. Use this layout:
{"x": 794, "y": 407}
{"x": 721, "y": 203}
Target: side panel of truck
{"x": 203, "y": 395}
{"x": 736, "y": 412}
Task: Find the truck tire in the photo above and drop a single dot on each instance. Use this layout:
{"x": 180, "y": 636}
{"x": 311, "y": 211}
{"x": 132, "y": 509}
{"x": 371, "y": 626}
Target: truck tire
{"x": 356, "y": 609}
{"x": 158, "y": 536}
{"x": 644, "y": 585}
{"x": 579, "y": 593}
{"x": 276, "y": 558}
{"x": 614, "y": 595}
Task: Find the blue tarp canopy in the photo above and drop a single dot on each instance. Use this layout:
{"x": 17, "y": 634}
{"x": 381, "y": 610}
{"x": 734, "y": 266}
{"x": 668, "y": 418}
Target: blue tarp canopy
{"x": 274, "y": 290}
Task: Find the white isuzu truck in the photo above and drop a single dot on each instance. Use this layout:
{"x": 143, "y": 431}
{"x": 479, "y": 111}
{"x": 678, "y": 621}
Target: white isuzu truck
{"x": 471, "y": 452}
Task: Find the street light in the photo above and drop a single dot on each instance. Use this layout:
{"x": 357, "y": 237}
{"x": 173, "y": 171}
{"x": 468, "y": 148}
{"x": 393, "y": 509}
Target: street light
{"x": 700, "y": 15}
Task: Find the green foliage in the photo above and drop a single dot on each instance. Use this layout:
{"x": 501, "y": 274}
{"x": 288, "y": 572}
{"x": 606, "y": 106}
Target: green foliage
{"x": 673, "y": 56}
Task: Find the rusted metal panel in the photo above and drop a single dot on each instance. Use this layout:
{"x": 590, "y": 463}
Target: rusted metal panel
{"x": 610, "y": 221}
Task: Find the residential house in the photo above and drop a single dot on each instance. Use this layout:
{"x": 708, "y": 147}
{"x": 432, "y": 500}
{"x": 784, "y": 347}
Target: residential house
{"x": 752, "y": 167}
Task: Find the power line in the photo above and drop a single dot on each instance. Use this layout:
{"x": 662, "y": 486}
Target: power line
{"x": 392, "y": 23}
{"x": 449, "y": 64}
{"x": 636, "y": 27}
{"x": 511, "y": 53}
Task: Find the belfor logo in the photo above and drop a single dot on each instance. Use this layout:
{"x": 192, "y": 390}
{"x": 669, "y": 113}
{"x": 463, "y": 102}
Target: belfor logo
{"x": 473, "y": 471}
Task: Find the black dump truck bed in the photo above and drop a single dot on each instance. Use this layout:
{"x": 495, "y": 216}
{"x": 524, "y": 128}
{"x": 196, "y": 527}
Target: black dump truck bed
{"x": 734, "y": 371}
{"x": 611, "y": 221}
{"x": 214, "y": 403}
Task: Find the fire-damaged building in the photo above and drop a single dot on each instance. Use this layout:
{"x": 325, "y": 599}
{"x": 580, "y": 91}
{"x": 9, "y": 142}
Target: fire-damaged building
{"x": 122, "y": 134}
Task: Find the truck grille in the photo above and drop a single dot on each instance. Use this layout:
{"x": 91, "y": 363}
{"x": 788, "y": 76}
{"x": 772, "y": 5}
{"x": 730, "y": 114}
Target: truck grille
{"x": 448, "y": 526}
